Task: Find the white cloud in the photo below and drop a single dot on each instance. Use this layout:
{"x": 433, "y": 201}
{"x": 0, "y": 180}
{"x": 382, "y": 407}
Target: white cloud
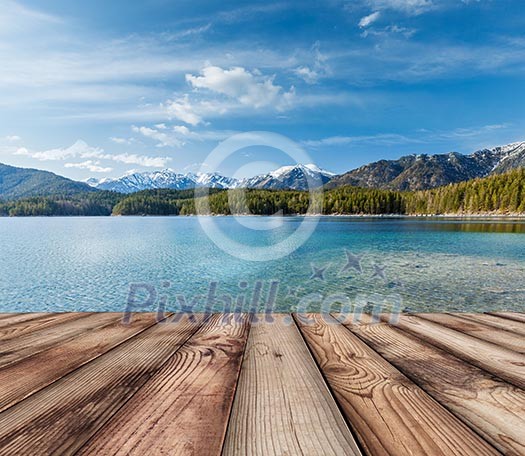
{"x": 412, "y": 7}
{"x": 314, "y": 71}
{"x": 13, "y": 138}
{"x": 381, "y": 139}
{"x": 118, "y": 140}
{"x": 15, "y": 17}
{"x": 182, "y": 109}
{"x": 308, "y": 75}
{"x": 80, "y": 149}
{"x": 93, "y": 166}
{"x": 389, "y": 31}
{"x": 421, "y": 136}
{"x": 181, "y": 129}
{"x": 163, "y": 139}
{"x": 466, "y": 132}
{"x": 370, "y": 19}
{"x": 249, "y": 89}
{"x": 141, "y": 160}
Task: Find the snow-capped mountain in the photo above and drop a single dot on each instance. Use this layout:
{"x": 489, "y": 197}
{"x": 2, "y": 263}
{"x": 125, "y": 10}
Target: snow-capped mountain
{"x": 298, "y": 177}
{"x": 166, "y": 178}
{"x": 420, "y": 172}
{"x": 411, "y": 172}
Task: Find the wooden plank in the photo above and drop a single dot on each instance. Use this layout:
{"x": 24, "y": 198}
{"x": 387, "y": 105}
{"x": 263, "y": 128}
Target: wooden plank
{"x": 11, "y": 319}
{"x": 509, "y": 315}
{"x": 282, "y": 404}
{"x": 20, "y": 380}
{"x": 389, "y": 413}
{"x": 490, "y": 406}
{"x": 496, "y": 322}
{"x": 61, "y": 418}
{"x": 9, "y": 314}
{"x": 477, "y": 329}
{"x": 188, "y": 400}
{"x": 34, "y": 342}
{"x": 506, "y": 364}
{"x": 27, "y": 326}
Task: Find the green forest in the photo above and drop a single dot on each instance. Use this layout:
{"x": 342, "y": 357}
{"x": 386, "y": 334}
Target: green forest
{"x": 501, "y": 194}
{"x": 90, "y": 203}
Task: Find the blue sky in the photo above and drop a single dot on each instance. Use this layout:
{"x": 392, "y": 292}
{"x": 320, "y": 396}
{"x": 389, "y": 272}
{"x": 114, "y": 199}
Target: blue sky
{"x": 102, "y": 88}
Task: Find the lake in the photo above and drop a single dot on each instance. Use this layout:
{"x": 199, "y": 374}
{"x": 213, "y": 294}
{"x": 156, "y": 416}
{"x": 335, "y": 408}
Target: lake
{"x": 92, "y": 264}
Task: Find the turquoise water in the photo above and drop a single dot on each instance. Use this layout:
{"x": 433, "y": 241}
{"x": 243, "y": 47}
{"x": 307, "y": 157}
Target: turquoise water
{"x": 89, "y": 264}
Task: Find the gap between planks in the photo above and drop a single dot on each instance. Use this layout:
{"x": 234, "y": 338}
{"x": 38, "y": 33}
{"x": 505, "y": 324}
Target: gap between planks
{"x": 491, "y": 407}
{"x": 282, "y": 404}
{"x": 389, "y": 413}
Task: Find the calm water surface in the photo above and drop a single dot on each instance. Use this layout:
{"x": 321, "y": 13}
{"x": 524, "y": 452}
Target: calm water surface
{"x": 88, "y": 264}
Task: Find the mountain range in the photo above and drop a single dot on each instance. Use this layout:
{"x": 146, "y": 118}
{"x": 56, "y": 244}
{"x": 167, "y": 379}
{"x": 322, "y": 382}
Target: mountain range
{"x": 25, "y": 182}
{"x": 298, "y": 177}
{"x": 422, "y": 172}
{"x": 411, "y": 172}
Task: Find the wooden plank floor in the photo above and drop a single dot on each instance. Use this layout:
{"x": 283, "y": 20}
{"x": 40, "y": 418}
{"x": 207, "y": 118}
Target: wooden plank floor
{"x": 234, "y": 384}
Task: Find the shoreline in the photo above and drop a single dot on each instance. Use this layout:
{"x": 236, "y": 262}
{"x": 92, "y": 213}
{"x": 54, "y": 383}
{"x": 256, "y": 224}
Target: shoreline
{"x": 482, "y": 216}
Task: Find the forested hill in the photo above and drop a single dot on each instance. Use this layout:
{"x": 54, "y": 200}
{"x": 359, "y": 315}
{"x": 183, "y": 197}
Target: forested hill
{"x": 501, "y": 193}
{"x": 504, "y": 193}
{"x": 423, "y": 172}
{"x": 498, "y": 194}
{"x": 91, "y": 203}
{"x": 24, "y": 183}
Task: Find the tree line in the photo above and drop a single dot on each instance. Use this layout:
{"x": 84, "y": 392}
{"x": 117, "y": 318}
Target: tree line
{"x": 500, "y": 194}
{"x": 85, "y": 204}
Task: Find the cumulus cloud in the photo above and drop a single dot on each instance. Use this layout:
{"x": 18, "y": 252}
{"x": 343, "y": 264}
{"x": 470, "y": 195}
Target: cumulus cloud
{"x": 80, "y": 149}
{"x": 182, "y": 130}
{"x": 93, "y": 166}
{"x": 182, "y": 109}
{"x": 370, "y": 19}
{"x": 248, "y": 88}
{"x": 163, "y": 138}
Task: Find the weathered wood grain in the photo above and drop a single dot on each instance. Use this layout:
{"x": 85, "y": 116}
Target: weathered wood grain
{"x": 480, "y": 330}
{"x": 282, "y": 405}
{"x": 510, "y": 315}
{"x": 389, "y": 413}
{"x": 34, "y": 342}
{"x": 506, "y": 364}
{"x": 188, "y": 400}
{"x": 496, "y": 322}
{"x": 17, "y": 329}
{"x": 490, "y": 406}
{"x": 21, "y": 379}
{"x": 59, "y": 419}
{"x": 11, "y": 319}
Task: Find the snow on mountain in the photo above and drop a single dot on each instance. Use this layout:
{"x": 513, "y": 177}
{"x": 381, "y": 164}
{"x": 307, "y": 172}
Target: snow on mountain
{"x": 411, "y": 172}
{"x": 166, "y": 178}
{"x": 298, "y": 177}
{"x": 214, "y": 180}
{"x": 420, "y": 172}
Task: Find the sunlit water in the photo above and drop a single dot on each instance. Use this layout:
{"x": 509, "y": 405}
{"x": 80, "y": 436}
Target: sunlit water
{"x": 89, "y": 264}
